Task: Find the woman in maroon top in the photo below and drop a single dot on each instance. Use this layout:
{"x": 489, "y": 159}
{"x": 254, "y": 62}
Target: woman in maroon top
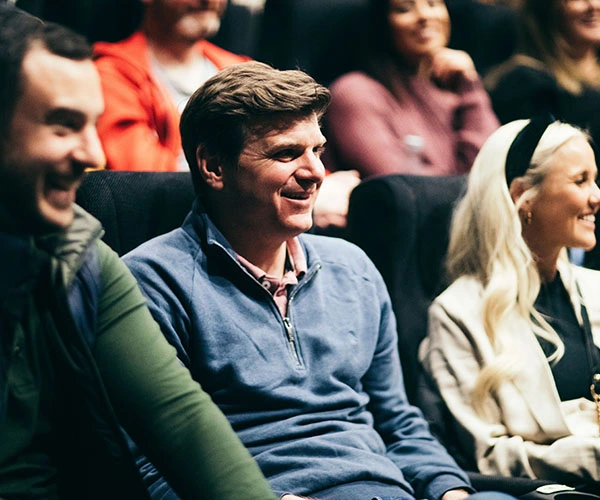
{"x": 416, "y": 106}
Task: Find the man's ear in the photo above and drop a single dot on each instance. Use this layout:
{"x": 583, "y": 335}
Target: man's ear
{"x": 210, "y": 168}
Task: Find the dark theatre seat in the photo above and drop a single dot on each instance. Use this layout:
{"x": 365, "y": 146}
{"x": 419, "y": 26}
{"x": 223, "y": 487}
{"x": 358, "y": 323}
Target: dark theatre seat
{"x": 321, "y": 37}
{"x": 136, "y": 206}
{"x": 401, "y": 221}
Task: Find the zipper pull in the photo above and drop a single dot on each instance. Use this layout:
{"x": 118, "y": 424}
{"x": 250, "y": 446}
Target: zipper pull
{"x": 291, "y": 337}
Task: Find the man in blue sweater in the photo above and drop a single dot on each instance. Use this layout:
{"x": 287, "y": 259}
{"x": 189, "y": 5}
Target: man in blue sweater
{"x": 291, "y": 334}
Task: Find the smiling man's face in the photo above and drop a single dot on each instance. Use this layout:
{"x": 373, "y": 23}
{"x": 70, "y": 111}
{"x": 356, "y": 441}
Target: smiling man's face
{"x": 273, "y": 188}
{"x": 51, "y": 139}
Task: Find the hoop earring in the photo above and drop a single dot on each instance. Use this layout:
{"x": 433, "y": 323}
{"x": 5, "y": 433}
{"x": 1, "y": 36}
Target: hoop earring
{"x": 528, "y": 217}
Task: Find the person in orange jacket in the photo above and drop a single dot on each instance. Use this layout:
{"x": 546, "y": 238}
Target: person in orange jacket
{"x": 148, "y": 78}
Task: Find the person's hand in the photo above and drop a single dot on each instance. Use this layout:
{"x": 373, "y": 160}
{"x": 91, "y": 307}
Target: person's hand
{"x": 331, "y": 207}
{"x": 455, "y": 495}
{"x": 448, "y": 65}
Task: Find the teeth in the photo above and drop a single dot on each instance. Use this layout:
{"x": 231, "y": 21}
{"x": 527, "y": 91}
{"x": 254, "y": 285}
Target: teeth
{"x": 61, "y": 186}
{"x": 296, "y": 196}
{"x": 61, "y": 182}
{"x": 589, "y": 218}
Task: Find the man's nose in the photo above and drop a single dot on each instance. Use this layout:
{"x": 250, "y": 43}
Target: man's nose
{"x": 90, "y": 152}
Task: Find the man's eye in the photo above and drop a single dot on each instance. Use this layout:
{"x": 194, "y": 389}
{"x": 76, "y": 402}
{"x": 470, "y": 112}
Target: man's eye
{"x": 67, "y": 127}
{"x": 62, "y": 129}
{"x": 285, "y": 154}
{"x": 319, "y": 150}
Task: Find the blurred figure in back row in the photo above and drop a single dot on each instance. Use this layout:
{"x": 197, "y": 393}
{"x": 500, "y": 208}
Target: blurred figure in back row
{"x": 556, "y": 69}
{"x": 513, "y": 343}
{"x": 417, "y": 106}
{"x": 148, "y": 78}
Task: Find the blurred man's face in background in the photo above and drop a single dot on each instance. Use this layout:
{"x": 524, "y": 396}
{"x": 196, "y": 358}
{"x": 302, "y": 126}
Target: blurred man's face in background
{"x": 187, "y": 20}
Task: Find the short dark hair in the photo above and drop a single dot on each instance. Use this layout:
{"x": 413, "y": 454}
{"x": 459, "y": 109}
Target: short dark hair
{"x": 19, "y": 31}
{"x": 224, "y": 112}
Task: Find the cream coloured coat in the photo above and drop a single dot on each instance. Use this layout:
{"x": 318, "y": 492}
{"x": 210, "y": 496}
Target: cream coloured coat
{"x": 529, "y": 431}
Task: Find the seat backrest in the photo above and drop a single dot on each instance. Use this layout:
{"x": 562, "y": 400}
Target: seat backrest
{"x": 136, "y": 206}
{"x": 486, "y": 30}
{"x": 240, "y": 29}
{"x": 317, "y": 36}
{"x": 106, "y": 20}
{"x": 402, "y": 221}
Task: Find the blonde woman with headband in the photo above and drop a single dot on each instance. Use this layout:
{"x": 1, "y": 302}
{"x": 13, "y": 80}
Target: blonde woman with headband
{"x": 513, "y": 342}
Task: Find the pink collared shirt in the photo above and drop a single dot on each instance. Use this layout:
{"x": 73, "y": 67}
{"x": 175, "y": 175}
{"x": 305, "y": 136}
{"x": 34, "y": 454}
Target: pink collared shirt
{"x": 295, "y": 267}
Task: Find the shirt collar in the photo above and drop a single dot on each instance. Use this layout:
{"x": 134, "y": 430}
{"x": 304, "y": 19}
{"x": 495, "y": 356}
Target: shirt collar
{"x": 295, "y": 263}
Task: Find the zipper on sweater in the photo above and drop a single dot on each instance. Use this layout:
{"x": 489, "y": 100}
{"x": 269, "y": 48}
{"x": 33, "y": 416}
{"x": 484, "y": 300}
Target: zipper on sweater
{"x": 290, "y": 332}
{"x": 291, "y": 338}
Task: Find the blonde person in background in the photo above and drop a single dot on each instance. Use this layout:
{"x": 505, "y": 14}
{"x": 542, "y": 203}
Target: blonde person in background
{"x": 555, "y": 69}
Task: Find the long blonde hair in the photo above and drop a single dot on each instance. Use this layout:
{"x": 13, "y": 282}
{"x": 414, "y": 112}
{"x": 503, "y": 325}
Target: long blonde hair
{"x": 541, "y": 39}
{"x": 486, "y": 243}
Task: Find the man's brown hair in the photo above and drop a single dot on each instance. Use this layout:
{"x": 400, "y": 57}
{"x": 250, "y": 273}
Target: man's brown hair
{"x": 238, "y": 101}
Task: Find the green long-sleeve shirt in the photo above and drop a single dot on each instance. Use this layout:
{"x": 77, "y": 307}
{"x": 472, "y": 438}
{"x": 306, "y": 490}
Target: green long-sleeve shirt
{"x": 174, "y": 422}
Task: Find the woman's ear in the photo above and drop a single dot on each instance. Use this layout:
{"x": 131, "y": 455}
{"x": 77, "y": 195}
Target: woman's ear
{"x": 210, "y": 169}
{"x": 517, "y": 188}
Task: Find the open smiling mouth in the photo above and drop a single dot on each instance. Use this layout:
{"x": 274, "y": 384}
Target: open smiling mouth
{"x": 60, "y": 191}
{"x": 587, "y": 218}
{"x": 297, "y": 196}
{"x": 61, "y": 183}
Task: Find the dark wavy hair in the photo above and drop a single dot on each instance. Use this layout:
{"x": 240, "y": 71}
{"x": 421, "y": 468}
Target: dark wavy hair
{"x": 19, "y": 31}
{"x": 377, "y": 55}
